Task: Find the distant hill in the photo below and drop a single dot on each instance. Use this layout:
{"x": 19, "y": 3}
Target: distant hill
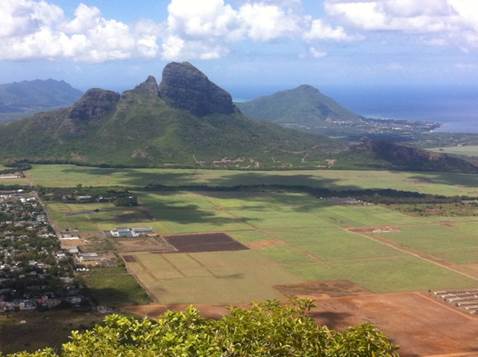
{"x": 307, "y": 109}
{"x": 303, "y": 106}
{"x": 185, "y": 121}
{"x": 36, "y": 95}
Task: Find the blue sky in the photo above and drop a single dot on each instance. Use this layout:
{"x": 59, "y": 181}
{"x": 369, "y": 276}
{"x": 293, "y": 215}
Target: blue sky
{"x": 242, "y": 45}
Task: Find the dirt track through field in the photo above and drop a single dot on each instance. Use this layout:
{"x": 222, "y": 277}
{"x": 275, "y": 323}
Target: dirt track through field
{"x": 412, "y": 253}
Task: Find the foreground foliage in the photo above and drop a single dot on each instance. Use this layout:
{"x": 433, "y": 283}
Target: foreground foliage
{"x": 267, "y": 329}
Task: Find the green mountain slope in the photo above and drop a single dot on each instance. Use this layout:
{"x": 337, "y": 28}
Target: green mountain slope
{"x": 304, "y": 106}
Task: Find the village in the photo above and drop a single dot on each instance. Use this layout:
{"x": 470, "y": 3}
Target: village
{"x": 35, "y": 273}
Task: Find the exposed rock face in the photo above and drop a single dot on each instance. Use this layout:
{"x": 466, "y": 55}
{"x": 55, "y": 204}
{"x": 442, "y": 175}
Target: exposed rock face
{"x": 184, "y": 86}
{"x": 94, "y": 104}
{"x": 148, "y": 87}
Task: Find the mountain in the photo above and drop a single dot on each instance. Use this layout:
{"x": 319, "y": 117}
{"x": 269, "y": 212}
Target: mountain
{"x": 187, "y": 120}
{"x": 304, "y": 106}
{"x": 37, "y": 95}
{"x": 307, "y": 109}
{"x": 185, "y": 87}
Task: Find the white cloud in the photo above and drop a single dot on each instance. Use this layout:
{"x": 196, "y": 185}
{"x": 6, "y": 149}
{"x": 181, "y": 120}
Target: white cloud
{"x": 317, "y": 52}
{"x": 37, "y": 29}
{"x": 196, "y": 19}
{"x": 451, "y": 22}
{"x": 319, "y": 30}
{"x": 175, "y": 48}
{"x": 263, "y": 22}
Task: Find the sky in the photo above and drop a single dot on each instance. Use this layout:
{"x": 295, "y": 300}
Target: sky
{"x": 244, "y": 45}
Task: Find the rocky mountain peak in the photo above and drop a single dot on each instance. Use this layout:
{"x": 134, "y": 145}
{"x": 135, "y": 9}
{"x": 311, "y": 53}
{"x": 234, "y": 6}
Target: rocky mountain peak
{"x": 185, "y": 87}
{"x": 94, "y": 104}
{"x": 148, "y": 87}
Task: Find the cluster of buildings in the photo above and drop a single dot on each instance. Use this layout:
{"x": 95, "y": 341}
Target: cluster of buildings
{"x": 35, "y": 273}
{"x": 131, "y": 232}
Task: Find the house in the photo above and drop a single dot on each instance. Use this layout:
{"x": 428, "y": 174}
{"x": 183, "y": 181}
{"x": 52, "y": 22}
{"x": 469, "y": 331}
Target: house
{"x": 137, "y": 232}
{"x": 88, "y": 257}
{"x": 86, "y": 198}
{"x": 73, "y": 250}
{"x": 130, "y": 232}
{"x": 121, "y": 233}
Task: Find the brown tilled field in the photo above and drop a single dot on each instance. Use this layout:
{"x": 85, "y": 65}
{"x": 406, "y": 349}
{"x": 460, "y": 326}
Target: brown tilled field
{"x": 316, "y": 289}
{"x": 420, "y": 324}
{"x": 204, "y": 242}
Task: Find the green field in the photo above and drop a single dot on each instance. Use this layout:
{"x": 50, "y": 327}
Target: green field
{"x": 113, "y": 286}
{"x": 212, "y": 278}
{"x": 71, "y": 176}
{"x": 306, "y": 239}
{"x": 465, "y": 150}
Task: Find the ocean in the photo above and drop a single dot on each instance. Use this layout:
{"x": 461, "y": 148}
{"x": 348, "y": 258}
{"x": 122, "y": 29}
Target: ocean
{"x": 455, "y": 107}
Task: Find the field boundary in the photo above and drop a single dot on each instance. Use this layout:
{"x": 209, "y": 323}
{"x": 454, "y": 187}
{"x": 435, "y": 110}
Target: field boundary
{"x": 412, "y": 253}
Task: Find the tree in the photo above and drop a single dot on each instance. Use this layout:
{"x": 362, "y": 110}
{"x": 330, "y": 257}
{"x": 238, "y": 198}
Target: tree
{"x": 268, "y": 329}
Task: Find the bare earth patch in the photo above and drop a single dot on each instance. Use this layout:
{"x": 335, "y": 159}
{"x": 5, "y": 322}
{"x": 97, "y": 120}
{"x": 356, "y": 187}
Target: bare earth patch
{"x": 418, "y": 323}
{"x": 204, "y": 242}
{"x": 374, "y": 229}
{"x": 265, "y": 243}
{"x": 331, "y": 288}
{"x": 129, "y": 258}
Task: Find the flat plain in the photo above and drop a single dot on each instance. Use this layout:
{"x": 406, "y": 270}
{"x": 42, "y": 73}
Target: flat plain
{"x": 426, "y": 182}
{"x": 361, "y": 262}
{"x": 310, "y": 239}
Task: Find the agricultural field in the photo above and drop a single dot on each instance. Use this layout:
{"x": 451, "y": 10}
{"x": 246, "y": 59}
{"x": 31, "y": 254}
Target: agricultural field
{"x": 71, "y": 176}
{"x": 464, "y": 150}
{"x": 231, "y": 277}
{"x": 291, "y": 238}
{"x": 114, "y": 286}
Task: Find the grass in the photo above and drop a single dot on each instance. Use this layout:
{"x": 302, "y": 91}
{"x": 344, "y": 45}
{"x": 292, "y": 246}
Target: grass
{"x": 113, "y": 287}
{"x": 465, "y": 150}
{"x": 210, "y": 278}
{"x": 432, "y": 182}
{"x": 312, "y": 242}
{"x": 456, "y": 244}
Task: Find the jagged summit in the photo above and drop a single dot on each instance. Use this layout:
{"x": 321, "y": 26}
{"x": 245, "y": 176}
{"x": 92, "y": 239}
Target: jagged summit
{"x": 149, "y": 87}
{"x": 94, "y": 104}
{"x": 185, "y": 87}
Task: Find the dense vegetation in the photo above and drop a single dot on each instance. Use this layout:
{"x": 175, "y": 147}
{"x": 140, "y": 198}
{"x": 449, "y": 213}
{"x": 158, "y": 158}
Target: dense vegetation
{"x": 303, "y": 106}
{"x": 145, "y": 131}
{"x": 267, "y": 329}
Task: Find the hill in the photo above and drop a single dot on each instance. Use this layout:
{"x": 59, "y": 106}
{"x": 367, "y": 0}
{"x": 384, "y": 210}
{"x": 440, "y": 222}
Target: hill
{"x": 33, "y": 96}
{"x": 307, "y": 109}
{"x": 185, "y": 121}
{"x": 303, "y": 106}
